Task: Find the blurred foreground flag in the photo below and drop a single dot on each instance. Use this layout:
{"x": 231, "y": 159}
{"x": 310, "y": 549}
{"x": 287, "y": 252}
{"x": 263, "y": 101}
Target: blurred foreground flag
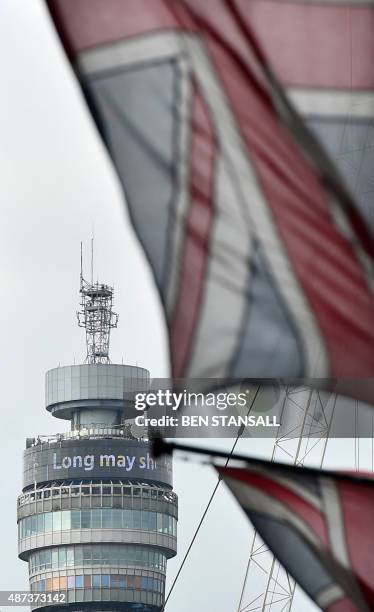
{"x": 319, "y": 525}
{"x": 260, "y": 252}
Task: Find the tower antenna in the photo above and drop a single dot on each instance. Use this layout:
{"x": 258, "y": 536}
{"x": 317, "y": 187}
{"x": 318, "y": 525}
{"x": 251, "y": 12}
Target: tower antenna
{"x": 81, "y": 276}
{"x": 96, "y": 315}
{"x": 92, "y": 259}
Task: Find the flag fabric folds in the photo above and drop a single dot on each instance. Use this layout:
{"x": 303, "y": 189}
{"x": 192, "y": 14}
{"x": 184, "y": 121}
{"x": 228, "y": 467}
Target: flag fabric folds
{"x": 261, "y": 252}
{"x": 320, "y": 526}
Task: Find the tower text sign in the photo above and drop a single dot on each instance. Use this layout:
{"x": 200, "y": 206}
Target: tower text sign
{"x": 88, "y": 462}
{"x": 101, "y": 459}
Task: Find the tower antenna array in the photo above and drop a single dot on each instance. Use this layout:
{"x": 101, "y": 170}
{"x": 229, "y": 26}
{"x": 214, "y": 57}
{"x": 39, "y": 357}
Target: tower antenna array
{"x": 96, "y": 316}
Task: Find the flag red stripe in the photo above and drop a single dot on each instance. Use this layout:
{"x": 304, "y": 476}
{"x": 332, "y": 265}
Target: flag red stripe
{"x": 326, "y": 46}
{"x": 342, "y": 605}
{"x": 359, "y": 531}
{"x": 197, "y": 232}
{"x": 93, "y": 22}
{"x": 296, "y": 504}
{"x": 310, "y": 45}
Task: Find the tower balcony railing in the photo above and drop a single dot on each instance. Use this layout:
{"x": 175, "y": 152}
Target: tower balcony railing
{"x": 138, "y": 491}
{"x": 97, "y": 431}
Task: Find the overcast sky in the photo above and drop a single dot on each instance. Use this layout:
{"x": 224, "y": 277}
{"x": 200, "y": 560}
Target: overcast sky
{"x": 57, "y": 186}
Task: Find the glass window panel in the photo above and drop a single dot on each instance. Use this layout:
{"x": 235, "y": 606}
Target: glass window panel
{"x": 164, "y": 523}
{"x": 78, "y": 555}
{"x": 56, "y": 519}
{"x": 96, "y": 518}
{"x": 107, "y": 518}
{"x": 70, "y": 557}
{"x": 152, "y": 521}
{"x": 127, "y": 519}
{"x": 34, "y": 524}
{"x": 87, "y": 581}
{"x": 117, "y": 519}
{"x": 144, "y": 583}
{"x": 87, "y": 554}
{"x": 54, "y": 558}
{"x": 107, "y": 555}
{"x": 63, "y": 582}
{"x": 96, "y": 580}
{"x": 75, "y": 519}
{"x": 136, "y": 519}
{"x": 112, "y": 553}
{"x": 40, "y": 559}
{"x": 145, "y": 519}
{"x": 48, "y": 559}
{"x": 55, "y": 583}
{"x": 144, "y": 556}
{"x": 86, "y": 519}
{"x": 129, "y": 555}
{"x": 115, "y": 582}
{"x": 137, "y": 582}
{"x": 130, "y": 582}
{"x": 40, "y": 523}
{"x": 159, "y": 522}
{"x": 65, "y": 519}
{"x": 105, "y": 581}
{"x": 48, "y": 522}
{"x": 62, "y": 557}
{"x": 48, "y": 584}
{"x": 71, "y": 582}
{"x": 79, "y": 581}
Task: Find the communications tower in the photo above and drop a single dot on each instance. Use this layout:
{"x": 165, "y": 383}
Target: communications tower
{"x": 97, "y": 517}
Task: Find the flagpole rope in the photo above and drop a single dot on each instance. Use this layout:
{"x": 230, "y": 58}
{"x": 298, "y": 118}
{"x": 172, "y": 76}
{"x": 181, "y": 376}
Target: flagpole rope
{"x": 158, "y": 445}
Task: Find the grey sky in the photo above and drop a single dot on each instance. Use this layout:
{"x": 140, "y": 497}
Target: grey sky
{"x": 56, "y": 187}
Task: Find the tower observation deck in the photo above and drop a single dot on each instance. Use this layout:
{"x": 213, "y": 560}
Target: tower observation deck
{"x": 97, "y": 517}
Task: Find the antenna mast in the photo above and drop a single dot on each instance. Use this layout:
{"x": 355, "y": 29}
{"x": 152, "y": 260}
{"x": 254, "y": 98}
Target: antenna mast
{"x": 96, "y": 316}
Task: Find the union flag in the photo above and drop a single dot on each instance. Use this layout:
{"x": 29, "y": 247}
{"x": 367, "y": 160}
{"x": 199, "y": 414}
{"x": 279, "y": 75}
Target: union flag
{"x": 318, "y": 524}
{"x": 242, "y": 133}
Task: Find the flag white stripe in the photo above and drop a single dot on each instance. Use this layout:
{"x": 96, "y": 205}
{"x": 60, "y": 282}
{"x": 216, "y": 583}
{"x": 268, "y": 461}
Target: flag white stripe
{"x": 329, "y": 595}
{"x": 176, "y": 231}
{"x": 334, "y": 521}
{"x": 226, "y": 285}
{"x": 157, "y": 46}
{"x": 333, "y": 103}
